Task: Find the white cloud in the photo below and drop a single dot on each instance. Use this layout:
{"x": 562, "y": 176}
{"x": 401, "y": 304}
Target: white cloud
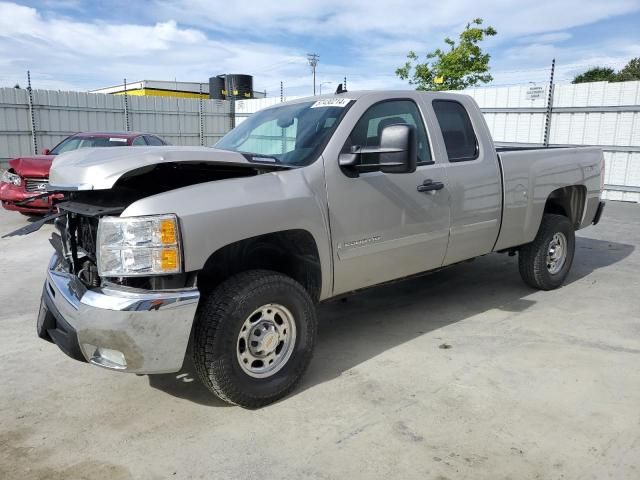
{"x": 379, "y": 34}
{"x": 25, "y": 24}
{"x": 533, "y": 61}
{"x": 392, "y": 18}
{"x": 193, "y": 39}
{"x": 552, "y": 37}
{"x": 62, "y": 53}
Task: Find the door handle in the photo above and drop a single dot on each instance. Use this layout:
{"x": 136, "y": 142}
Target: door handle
{"x": 430, "y": 186}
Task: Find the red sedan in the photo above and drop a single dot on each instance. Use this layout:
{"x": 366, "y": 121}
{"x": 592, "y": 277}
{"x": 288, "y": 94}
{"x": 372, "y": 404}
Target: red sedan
{"x": 29, "y": 176}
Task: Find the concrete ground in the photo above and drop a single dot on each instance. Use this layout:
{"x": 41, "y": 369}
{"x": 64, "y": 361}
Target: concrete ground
{"x": 533, "y": 385}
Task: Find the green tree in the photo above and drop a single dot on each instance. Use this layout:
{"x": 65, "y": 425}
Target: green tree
{"x": 631, "y": 71}
{"x": 460, "y": 66}
{"x": 597, "y": 74}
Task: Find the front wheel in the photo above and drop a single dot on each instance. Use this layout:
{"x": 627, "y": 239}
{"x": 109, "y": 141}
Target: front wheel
{"x": 254, "y": 337}
{"x": 545, "y": 262}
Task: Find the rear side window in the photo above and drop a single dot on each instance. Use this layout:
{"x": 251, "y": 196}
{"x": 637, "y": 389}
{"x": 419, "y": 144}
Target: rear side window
{"x": 154, "y": 141}
{"x": 138, "y": 141}
{"x": 457, "y": 131}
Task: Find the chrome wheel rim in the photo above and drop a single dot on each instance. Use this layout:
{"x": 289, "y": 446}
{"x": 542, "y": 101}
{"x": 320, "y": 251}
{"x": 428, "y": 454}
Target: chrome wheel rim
{"x": 266, "y": 340}
{"x": 557, "y": 253}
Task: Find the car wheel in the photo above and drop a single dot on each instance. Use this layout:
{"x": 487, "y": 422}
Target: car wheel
{"x": 254, "y": 337}
{"x": 545, "y": 262}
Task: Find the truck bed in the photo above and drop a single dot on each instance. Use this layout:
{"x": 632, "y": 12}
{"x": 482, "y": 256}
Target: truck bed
{"x": 532, "y": 174}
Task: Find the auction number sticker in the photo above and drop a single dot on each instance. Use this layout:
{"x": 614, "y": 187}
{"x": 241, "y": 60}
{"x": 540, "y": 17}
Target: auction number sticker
{"x": 331, "y": 102}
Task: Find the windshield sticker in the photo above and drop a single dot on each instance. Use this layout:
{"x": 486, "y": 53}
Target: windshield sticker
{"x": 123, "y": 140}
{"x": 332, "y": 102}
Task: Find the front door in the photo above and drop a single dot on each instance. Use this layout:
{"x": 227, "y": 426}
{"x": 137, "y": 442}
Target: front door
{"x": 382, "y": 227}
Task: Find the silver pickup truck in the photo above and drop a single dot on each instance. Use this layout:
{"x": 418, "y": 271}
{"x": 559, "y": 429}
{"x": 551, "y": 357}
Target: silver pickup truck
{"x": 228, "y": 249}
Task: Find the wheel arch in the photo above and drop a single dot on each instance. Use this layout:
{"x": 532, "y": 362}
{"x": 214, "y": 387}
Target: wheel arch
{"x": 569, "y": 201}
{"x": 293, "y": 252}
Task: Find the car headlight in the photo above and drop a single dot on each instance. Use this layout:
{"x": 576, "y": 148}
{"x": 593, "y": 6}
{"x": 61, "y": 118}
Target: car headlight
{"x": 132, "y": 246}
{"x": 8, "y": 177}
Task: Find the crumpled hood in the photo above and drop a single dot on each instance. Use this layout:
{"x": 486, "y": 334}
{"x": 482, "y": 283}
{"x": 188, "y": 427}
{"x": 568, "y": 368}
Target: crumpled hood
{"x": 36, "y": 166}
{"x": 100, "y": 168}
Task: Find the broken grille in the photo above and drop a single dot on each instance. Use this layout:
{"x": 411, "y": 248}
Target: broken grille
{"x": 36, "y": 184}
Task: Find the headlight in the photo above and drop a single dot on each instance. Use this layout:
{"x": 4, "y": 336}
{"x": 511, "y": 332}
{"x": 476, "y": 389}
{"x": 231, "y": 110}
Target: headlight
{"x": 133, "y": 246}
{"x": 8, "y": 177}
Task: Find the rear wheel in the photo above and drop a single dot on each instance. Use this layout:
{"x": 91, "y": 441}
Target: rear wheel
{"x": 545, "y": 262}
{"x": 254, "y": 337}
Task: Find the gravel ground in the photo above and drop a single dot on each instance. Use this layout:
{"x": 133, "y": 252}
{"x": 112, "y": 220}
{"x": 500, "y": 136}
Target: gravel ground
{"x": 531, "y": 385}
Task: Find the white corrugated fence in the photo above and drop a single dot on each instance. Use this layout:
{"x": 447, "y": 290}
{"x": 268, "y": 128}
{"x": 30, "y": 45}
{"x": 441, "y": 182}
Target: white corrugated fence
{"x": 602, "y": 114}
{"x": 59, "y": 114}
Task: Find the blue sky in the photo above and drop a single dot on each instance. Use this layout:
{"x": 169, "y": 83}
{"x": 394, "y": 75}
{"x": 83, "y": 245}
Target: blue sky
{"x": 82, "y": 45}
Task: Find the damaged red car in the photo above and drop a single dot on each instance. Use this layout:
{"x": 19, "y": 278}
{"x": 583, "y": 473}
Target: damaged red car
{"x": 28, "y": 176}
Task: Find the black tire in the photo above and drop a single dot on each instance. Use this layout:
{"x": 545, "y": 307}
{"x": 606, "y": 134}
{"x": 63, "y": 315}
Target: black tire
{"x": 220, "y": 317}
{"x": 532, "y": 258}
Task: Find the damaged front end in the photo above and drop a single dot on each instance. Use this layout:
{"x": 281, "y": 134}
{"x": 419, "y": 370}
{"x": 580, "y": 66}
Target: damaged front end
{"x": 133, "y": 324}
{"x": 76, "y": 240}
{"x": 115, "y": 312}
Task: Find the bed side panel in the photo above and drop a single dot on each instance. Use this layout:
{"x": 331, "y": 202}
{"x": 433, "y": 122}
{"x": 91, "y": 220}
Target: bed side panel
{"x": 531, "y": 175}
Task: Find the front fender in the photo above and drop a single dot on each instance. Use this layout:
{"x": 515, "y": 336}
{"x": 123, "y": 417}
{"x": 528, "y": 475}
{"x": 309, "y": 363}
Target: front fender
{"x": 215, "y": 214}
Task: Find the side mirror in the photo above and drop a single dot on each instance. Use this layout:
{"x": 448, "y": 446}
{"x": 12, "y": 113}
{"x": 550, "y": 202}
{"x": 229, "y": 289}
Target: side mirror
{"x": 46, "y": 151}
{"x": 400, "y": 143}
{"x": 398, "y": 151}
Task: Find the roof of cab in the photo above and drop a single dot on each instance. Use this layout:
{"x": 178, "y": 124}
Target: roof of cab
{"x": 358, "y": 94}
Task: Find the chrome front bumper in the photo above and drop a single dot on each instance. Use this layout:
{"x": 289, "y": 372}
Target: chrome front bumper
{"x": 131, "y": 330}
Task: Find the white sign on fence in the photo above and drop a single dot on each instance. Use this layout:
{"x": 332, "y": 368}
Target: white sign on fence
{"x": 534, "y": 92}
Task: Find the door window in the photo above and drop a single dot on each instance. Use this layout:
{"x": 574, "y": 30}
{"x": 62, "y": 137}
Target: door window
{"x": 138, "y": 141}
{"x": 367, "y": 131}
{"x": 457, "y": 131}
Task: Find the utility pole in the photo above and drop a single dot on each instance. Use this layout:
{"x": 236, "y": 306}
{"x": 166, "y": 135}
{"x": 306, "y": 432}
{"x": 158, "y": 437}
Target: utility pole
{"x": 344, "y": 85}
{"x": 201, "y": 117}
{"x": 547, "y": 123}
{"x": 126, "y": 107}
{"x": 313, "y": 62}
{"x": 281, "y": 92}
{"x": 32, "y": 115}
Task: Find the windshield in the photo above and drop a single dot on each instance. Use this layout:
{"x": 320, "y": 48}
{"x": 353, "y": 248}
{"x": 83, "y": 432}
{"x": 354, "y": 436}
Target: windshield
{"x": 73, "y": 143}
{"x": 290, "y": 134}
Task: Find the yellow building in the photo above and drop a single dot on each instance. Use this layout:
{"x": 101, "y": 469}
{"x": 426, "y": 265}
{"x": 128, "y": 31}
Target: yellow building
{"x": 160, "y": 89}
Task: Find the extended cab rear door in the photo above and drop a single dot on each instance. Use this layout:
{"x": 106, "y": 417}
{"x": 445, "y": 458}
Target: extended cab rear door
{"x": 382, "y": 227}
{"x": 463, "y": 143}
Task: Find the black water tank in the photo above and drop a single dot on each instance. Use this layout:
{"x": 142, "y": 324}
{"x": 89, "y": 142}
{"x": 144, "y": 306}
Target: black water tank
{"x": 216, "y": 86}
{"x": 231, "y": 86}
{"x": 239, "y": 86}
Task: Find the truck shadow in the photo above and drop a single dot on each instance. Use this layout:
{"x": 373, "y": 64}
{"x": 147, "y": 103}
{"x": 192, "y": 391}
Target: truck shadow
{"x": 185, "y": 384}
{"x": 361, "y": 326}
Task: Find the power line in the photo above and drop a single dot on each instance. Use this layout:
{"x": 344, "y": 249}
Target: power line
{"x": 278, "y": 65}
